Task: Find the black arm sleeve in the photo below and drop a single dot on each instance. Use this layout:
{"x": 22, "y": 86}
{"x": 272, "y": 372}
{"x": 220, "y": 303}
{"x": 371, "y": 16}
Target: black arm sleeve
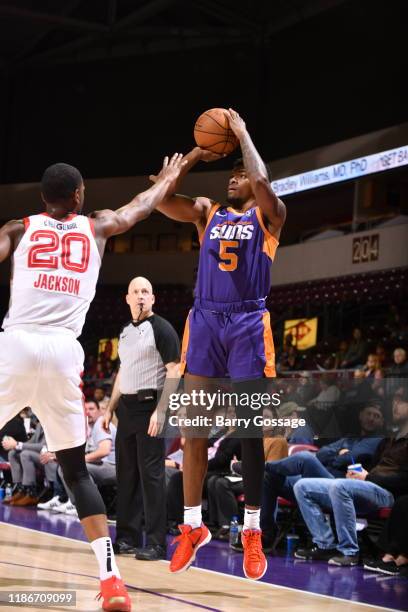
{"x": 167, "y": 341}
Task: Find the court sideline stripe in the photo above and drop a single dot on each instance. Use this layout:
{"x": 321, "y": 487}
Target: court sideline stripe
{"x": 130, "y": 586}
{"x": 260, "y": 583}
{"x": 279, "y": 586}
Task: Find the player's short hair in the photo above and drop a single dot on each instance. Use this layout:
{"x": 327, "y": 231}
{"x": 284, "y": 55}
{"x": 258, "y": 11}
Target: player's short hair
{"x": 59, "y": 182}
{"x": 239, "y": 165}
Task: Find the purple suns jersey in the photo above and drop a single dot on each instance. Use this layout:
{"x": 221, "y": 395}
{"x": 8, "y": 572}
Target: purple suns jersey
{"x": 236, "y": 256}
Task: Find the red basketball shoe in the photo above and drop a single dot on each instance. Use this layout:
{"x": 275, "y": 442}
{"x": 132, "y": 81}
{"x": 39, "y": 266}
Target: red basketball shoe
{"x": 115, "y": 596}
{"x": 189, "y": 541}
{"x": 255, "y": 563}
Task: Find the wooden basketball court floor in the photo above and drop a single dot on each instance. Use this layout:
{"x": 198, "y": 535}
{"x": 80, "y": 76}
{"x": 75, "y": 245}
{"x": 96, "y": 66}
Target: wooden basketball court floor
{"x": 32, "y": 560}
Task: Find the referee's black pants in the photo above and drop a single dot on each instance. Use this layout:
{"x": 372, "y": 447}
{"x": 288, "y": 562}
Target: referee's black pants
{"x": 140, "y": 474}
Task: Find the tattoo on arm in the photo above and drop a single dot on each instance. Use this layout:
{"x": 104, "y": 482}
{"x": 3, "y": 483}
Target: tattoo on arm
{"x": 252, "y": 160}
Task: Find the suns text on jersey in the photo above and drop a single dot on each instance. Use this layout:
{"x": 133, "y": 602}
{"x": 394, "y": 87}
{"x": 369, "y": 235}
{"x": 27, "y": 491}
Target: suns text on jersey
{"x": 52, "y": 282}
{"x": 232, "y": 231}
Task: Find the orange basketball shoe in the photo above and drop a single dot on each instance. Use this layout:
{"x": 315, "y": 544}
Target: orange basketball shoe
{"x": 115, "y": 596}
{"x": 255, "y": 563}
{"x": 189, "y": 541}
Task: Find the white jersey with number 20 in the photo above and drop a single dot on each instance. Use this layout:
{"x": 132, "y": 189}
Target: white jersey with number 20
{"x": 55, "y": 271}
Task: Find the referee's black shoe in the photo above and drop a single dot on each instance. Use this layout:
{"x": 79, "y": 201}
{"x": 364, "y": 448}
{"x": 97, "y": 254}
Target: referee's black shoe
{"x": 151, "y": 553}
{"x": 123, "y": 548}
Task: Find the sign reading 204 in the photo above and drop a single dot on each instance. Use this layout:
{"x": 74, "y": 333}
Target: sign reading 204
{"x": 366, "y": 248}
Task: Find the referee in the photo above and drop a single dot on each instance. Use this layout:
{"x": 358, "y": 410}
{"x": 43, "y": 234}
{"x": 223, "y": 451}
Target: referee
{"x": 149, "y": 352}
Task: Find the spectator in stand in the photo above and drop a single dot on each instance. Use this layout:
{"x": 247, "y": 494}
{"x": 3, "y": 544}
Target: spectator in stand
{"x": 110, "y": 372}
{"x": 399, "y": 367}
{"x": 356, "y": 351}
{"x": 398, "y": 373}
{"x": 340, "y": 354}
{"x": 289, "y": 361}
{"x": 321, "y": 409}
{"x": 296, "y": 435}
{"x": 360, "y": 492}
{"x": 100, "y": 396}
{"x": 372, "y": 368}
{"x": 330, "y": 461}
{"x": 382, "y": 357}
{"x": 329, "y": 393}
{"x": 100, "y": 372}
{"x": 58, "y": 498}
{"x": 358, "y": 394}
{"x": 289, "y": 389}
{"x": 24, "y": 458}
{"x": 13, "y": 429}
{"x": 274, "y": 442}
{"x": 373, "y": 371}
{"x": 393, "y": 541}
{"x": 306, "y": 389}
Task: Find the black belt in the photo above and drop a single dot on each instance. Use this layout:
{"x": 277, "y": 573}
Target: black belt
{"x": 144, "y": 395}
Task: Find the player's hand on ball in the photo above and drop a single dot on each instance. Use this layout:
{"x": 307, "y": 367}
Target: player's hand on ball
{"x": 236, "y": 123}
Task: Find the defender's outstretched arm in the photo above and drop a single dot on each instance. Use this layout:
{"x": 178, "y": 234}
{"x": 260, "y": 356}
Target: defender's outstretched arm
{"x": 112, "y": 222}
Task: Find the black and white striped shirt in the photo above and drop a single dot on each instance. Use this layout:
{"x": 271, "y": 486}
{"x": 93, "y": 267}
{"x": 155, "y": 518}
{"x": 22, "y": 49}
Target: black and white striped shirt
{"x": 145, "y": 347}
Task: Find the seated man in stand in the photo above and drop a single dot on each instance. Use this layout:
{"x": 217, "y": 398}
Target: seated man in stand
{"x": 330, "y": 461}
{"x": 25, "y": 463}
{"x": 361, "y": 492}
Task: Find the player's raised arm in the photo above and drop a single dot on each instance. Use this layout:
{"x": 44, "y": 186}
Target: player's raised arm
{"x": 112, "y": 222}
{"x": 10, "y": 235}
{"x": 271, "y": 206}
{"x": 181, "y": 207}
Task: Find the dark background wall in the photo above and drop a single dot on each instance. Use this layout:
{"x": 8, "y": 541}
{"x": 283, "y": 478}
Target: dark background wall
{"x": 115, "y": 105}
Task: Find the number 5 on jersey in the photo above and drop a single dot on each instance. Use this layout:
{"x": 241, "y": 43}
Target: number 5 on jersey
{"x": 229, "y": 260}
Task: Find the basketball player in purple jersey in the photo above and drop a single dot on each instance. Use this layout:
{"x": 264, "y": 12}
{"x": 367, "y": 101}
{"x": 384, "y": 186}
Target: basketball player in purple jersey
{"x": 228, "y": 330}
{"x": 56, "y": 259}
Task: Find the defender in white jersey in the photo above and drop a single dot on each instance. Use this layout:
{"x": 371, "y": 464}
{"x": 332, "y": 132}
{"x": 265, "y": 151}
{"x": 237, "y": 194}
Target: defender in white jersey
{"x": 56, "y": 260}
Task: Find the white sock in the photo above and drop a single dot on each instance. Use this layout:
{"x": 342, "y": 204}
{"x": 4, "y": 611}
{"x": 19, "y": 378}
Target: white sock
{"x": 251, "y": 519}
{"x": 103, "y": 550}
{"x": 192, "y": 516}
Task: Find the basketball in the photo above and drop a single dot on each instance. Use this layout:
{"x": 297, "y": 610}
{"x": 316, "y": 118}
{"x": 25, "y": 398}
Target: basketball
{"x": 212, "y": 132}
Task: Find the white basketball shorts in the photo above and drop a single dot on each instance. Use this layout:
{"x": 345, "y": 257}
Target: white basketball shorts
{"x": 41, "y": 367}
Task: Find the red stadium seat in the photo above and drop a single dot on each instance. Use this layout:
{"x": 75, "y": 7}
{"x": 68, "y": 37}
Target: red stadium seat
{"x": 384, "y": 513}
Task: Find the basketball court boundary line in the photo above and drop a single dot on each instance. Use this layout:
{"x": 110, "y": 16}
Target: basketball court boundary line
{"x": 130, "y": 586}
{"x": 278, "y": 586}
{"x": 253, "y": 582}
